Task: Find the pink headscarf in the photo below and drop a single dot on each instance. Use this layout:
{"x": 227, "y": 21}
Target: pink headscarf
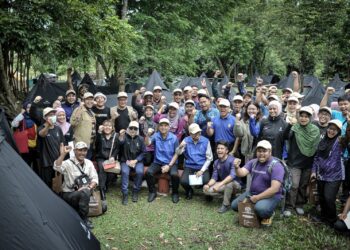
{"x": 64, "y": 125}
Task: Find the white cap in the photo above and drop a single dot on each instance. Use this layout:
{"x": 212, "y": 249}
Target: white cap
{"x": 100, "y": 94}
{"x": 164, "y": 120}
{"x": 134, "y": 124}
{"x": 194, "y": 128}
{"x": 122, "y": 94}
{"x": 297, "y": 95}
{"x": 336, "y": 122}
{"x": 306, "y": 109}
{"x": 287, "y": 90}
{"x": 149, "y": 106}
{"x": 187, "y": 88}
{"x": 224, "y": 102}
{"x": 48, "y": 110}
{"x": 157, "y": 88}
{"x": 88, "y": 95}
{"x": 274, "y": 97}
{"x": 174, "y": 105}
{"x": 80, "y": 145}
{"x": 272, "y": 88}
{"x": 238, "y": 98}
{"x": 177, "y": 90}
{"x": 70, "y": 91}
{"x": 202, "y": 92}
{"x": 325, "y": 108}
{"x": 190, "y": 102}
{"x": 264, "y": 144}
{"x": 293, "y": 98}
{"x": 148, "y": 93}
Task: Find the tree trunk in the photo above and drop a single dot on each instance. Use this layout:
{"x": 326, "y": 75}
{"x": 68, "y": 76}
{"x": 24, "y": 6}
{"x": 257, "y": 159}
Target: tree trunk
{"x": 124, "y": 9}
{"x": 120, "y": 75}
{"x": 69, "y": 78}
{"x": 6, "y": 92}
{"x": 221, "y": 66}
{"x": 28, "y": 63}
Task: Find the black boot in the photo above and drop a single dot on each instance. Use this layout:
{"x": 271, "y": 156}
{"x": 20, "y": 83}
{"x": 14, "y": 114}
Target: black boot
{"x": 151, "y": 196}
{"x": 135, "y": 196}
{"x": 189, "y": 194}
{"x": 125, "y": 199}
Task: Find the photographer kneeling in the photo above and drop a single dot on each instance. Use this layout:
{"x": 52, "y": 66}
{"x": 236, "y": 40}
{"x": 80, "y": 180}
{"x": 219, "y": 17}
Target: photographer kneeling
{"x": 80, "y": 178}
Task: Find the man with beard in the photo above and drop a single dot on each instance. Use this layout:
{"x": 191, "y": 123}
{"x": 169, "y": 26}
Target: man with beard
{"x": 266, "y": 186}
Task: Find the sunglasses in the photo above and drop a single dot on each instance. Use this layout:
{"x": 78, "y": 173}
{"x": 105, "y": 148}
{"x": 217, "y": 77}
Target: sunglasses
{"x": 133, "y": 128}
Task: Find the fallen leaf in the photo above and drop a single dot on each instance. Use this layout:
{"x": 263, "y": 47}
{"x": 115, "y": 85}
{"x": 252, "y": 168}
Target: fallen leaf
{"x": 179, "y": 238}
{"x": 110, "y": 238}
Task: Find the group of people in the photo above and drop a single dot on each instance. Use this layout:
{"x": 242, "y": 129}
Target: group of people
{"x": 228, "y": 143}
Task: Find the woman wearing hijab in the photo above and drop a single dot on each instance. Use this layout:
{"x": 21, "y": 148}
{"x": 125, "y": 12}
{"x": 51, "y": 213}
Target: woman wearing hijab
{"x": 148, "y": 126}
{"x": 65, "y": 126}
{"x": 132, "y": 148}
{"x": 272, "y": 128}
{"x": 303, "y": 138}
{"x": 292, "y": 110}
{"x": 24, "y": 122}
{"x": 328, "y": 170}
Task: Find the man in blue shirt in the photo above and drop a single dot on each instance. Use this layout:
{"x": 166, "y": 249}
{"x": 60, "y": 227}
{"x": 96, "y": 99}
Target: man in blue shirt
{"x": 206, "y": 114}
{"x": 222, "y": 126}
{"x": 343, "y": 104}
{"x": 165, "y": 144}
{"x": 223, "y": 178}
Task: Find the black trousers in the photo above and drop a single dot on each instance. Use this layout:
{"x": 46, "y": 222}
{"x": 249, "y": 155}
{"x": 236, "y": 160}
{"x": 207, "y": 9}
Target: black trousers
{"x": 47, "y": 173}
{"x": 148, "y": 158}
{"x": 157, "y": 168}
{"x": 327, "y": 196}
{"x": 346, "y": 182}
{"x": 185, "y": 180}
{"x": 79, "y": 200}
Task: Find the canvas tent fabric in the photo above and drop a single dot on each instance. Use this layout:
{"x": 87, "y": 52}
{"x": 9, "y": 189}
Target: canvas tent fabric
{"x": 286, "y": 82}
{"x": 47, "y": 90}
{"x": 155, "y": 80}
{"x": 339, "y": 87}
{"x": 5, "y": 130}
{"x": 31, "y": 215}
{"x": 252, "y": 80}
{"x": 313, "y": 90}
{"x": 76, "y": 78}
{"x": 89, "y": 82}
{"x": 196, "y": 81}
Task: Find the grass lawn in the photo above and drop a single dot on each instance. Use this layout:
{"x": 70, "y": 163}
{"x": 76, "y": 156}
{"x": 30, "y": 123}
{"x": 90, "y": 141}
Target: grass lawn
{"x": 196, "y": 224}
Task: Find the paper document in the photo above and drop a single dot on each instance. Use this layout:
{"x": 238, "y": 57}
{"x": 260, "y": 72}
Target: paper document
{"x": 347, "y": 220}
{"x": 194, "y": 180}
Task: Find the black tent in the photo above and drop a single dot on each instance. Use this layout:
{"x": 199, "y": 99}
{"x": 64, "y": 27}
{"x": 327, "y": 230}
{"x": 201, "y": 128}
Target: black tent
{"x": 286, "y": 82}
{"x": 339, "y": 87}
{"x": 196, "y": 81}
{"x": 184, "y": 82}
{"x": 32, "y": 216}
{"x": 76, "y": 78}
{"x": 47, "y": 90}
{"x": 252, "y": 80}
{"x": 313, "y": 90}
{"x": 89, "y": 82}
{"x": 155, "y": 80}
{"x": 223, "y": 82}
{"x": 5, "y": 130}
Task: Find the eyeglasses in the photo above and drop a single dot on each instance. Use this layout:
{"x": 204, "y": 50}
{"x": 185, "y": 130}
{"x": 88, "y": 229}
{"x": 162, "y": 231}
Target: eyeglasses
{"x": 133, "y": 128}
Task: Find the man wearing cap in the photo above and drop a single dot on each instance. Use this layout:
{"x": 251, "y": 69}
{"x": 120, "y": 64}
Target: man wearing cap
{"x": 70, "y": 104}
{"x": 324, "y": 116}
{"x": 190, "y": 112}
{"x": 222, "y": 126}
{"x": 122, "y": 114}
{"x": 165, "y": 144}
{"x": 157, "y": 97}
{"x": 187, "y": 93}
{"x": 198, "y": 156}
{"x": 205, "y": 114}
{"x": 286, "y": 92}
{"x": 272, "y": 90}
{"x": 132, "y": 153}
{"x": 177, "y": 97}
{"x": 49, "y": 140}
{"x": 148, "y": 126}
{"x": 84, "y": 123}
{"x": 177, "y": 123}
{"x": 303, "y": 139}
{"x": 140, "y": 106}
{"x": 237, "y": 105}
{"x": 77, "y": 196}
{"x": 240, "y": 84}
{"x": 266, "y": 188}
{"x": 223, "y": 178}
{"x": 101, "y": 112}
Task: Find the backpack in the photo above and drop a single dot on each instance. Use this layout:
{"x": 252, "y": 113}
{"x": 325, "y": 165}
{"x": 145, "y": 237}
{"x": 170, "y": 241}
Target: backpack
{"x": 287, "y": 178}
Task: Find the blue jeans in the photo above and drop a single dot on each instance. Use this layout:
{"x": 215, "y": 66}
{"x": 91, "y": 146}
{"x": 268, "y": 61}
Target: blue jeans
{"x": 264, "y": 208}
{"x": 125, "y": 177}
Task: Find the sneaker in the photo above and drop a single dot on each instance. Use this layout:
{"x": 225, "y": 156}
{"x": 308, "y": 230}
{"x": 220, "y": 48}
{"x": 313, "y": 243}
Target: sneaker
{"x": 175, "y": 198}
{"x": 299, "y": 211}
{"x": 287, "y": 213}
{"x": 223, "y": 209}
{"x": 189, "y": 194}
{"x": 267, "y": 222}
